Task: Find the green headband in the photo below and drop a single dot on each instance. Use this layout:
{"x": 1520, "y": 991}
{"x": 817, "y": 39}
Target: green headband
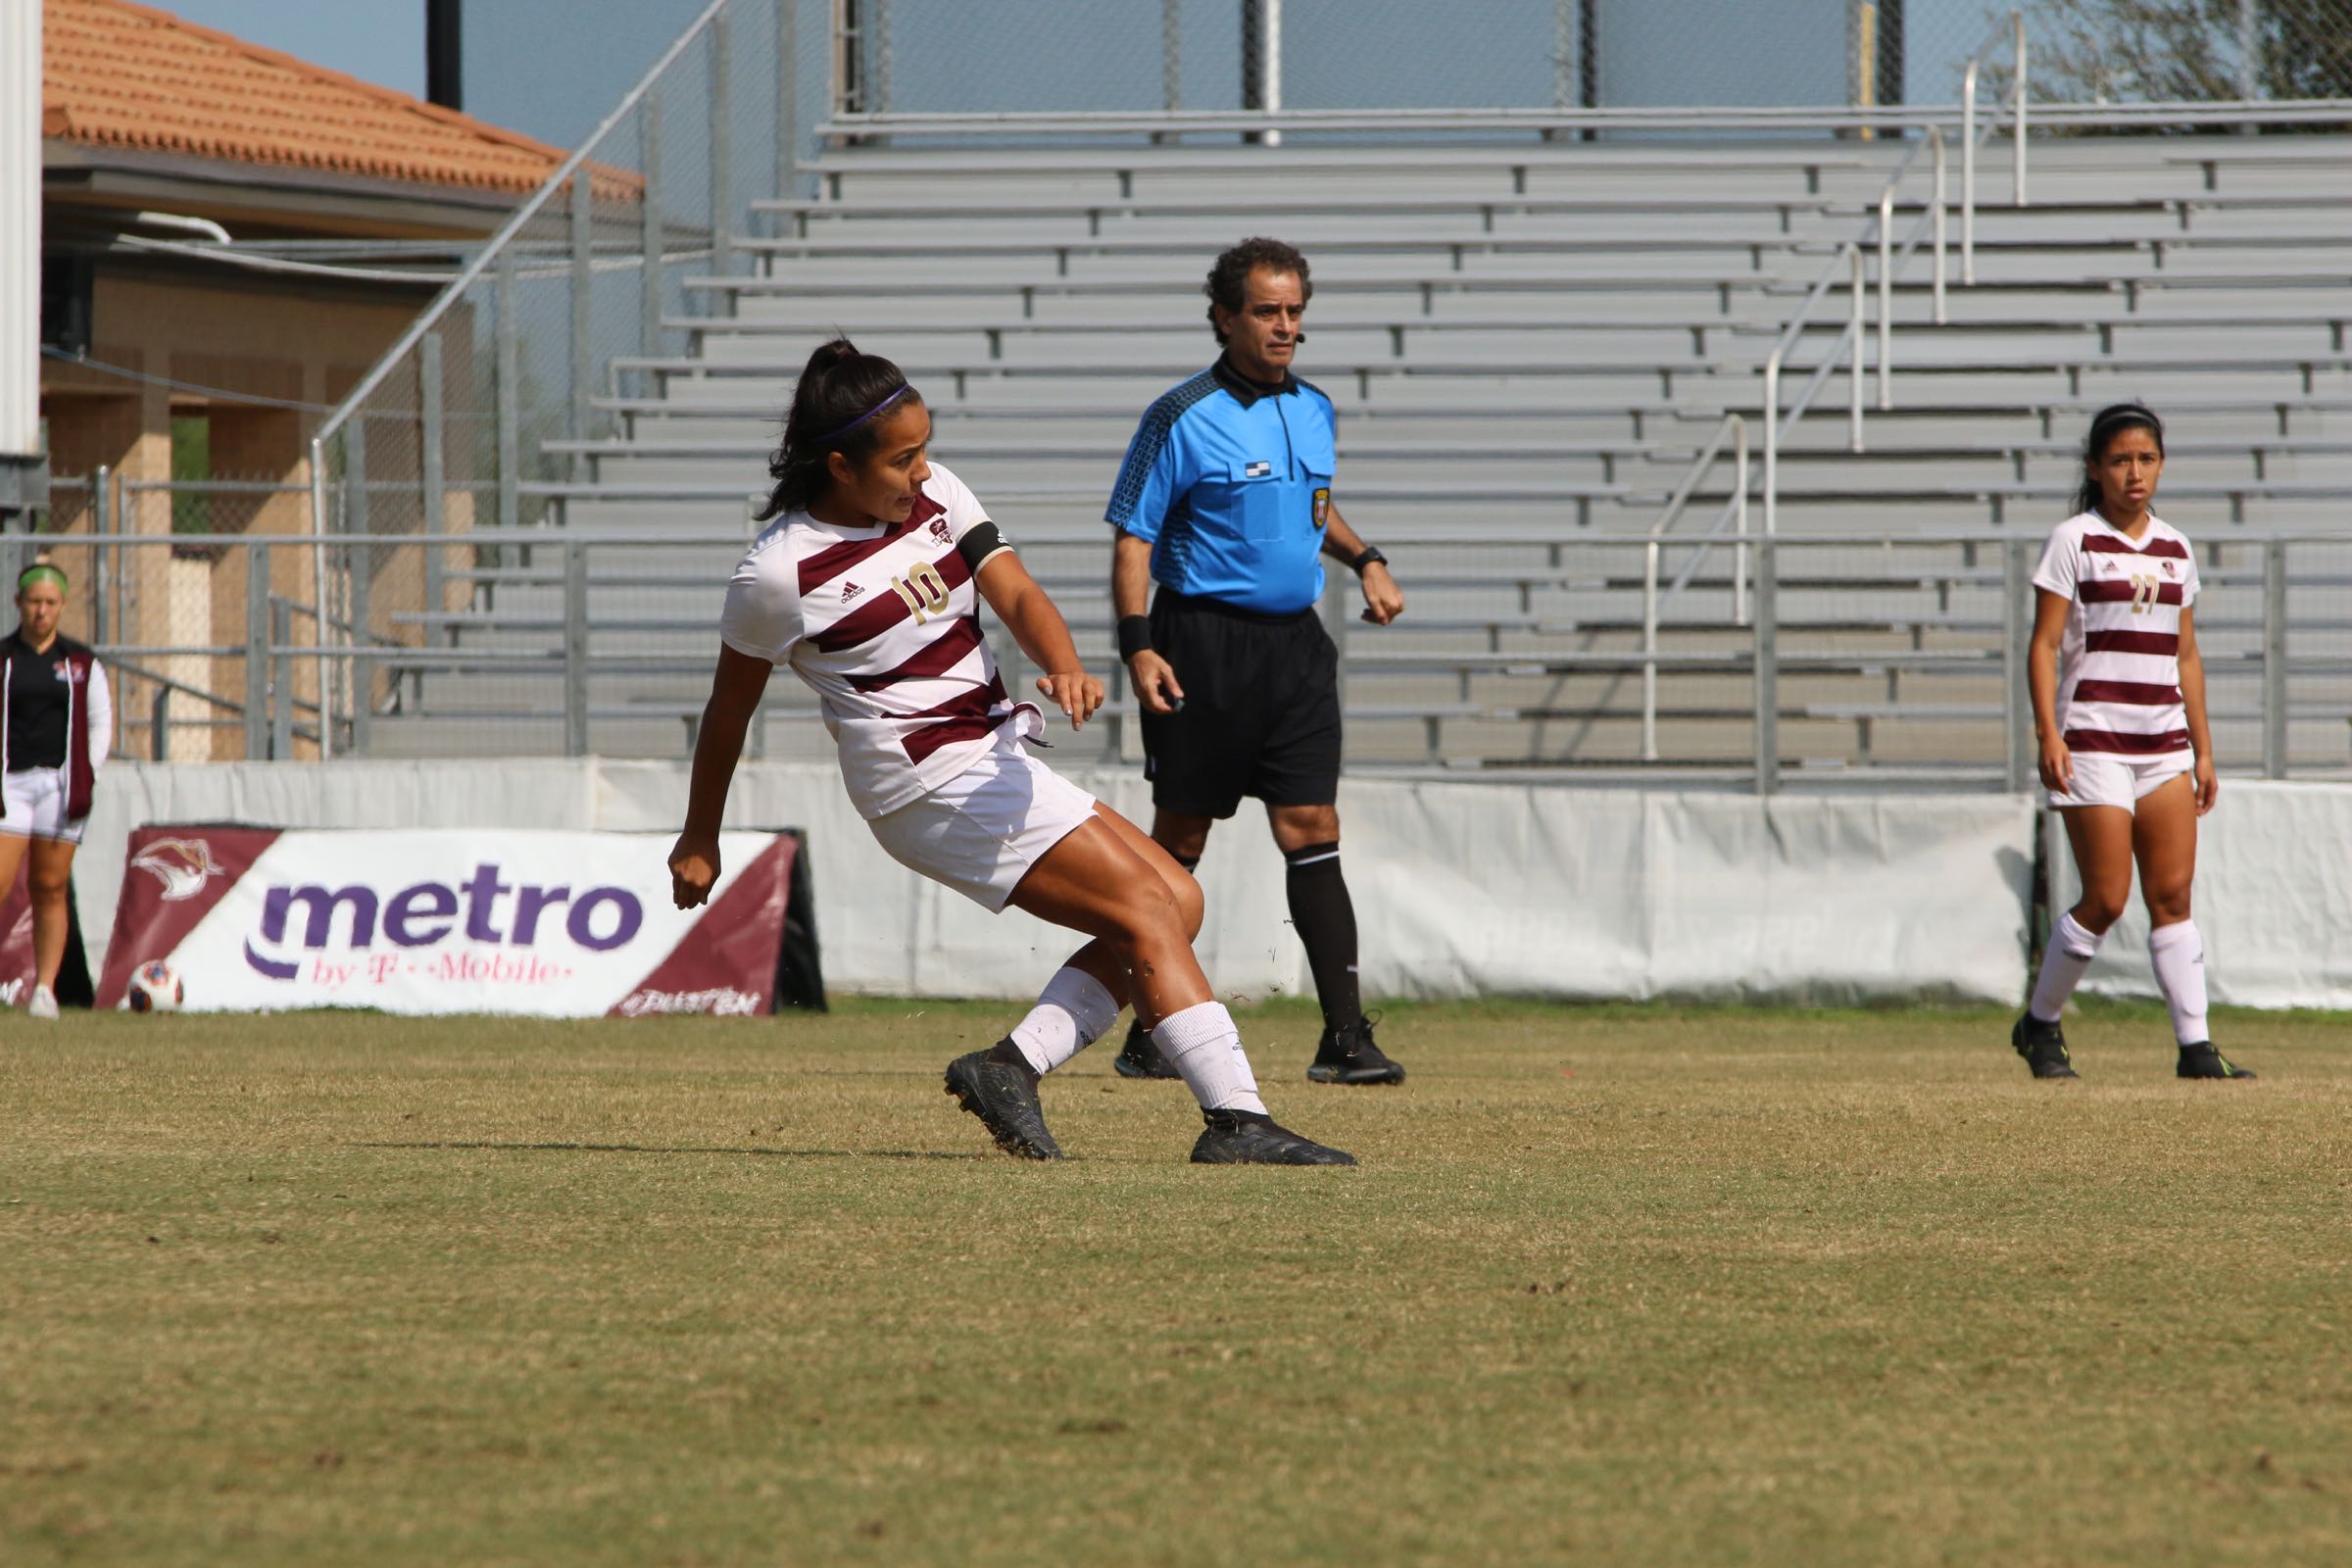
{"x": 38, "y": 570}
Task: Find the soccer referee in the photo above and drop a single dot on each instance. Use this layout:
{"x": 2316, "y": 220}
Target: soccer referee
{"x": 1224, "y": 501}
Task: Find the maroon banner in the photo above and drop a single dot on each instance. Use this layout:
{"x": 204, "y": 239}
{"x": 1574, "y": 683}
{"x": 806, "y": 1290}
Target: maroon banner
{"x": 173, "y": 876}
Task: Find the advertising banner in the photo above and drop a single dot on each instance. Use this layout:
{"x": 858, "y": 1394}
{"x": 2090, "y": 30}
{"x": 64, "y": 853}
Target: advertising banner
{"x": 554, "y": 924}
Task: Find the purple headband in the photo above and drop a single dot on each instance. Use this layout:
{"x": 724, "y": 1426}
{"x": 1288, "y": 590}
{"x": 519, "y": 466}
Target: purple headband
{"x": 827, "y": 439}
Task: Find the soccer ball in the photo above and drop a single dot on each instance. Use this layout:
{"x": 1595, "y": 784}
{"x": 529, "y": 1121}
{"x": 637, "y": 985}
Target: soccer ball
{"x": 155, "y": 988}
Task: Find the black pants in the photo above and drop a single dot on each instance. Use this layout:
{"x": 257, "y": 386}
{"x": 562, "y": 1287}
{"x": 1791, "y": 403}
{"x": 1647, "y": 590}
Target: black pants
{"x": 1260, "y": 714}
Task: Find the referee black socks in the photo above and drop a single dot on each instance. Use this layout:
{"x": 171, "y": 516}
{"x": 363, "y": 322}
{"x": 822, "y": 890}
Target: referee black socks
{"x": 1326, "y": 921}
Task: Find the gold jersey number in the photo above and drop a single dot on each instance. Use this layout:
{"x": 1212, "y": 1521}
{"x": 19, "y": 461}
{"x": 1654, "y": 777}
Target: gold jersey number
{"x": 925, "y": 591}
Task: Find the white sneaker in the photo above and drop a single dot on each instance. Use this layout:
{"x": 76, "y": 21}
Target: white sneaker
{"x": 43, "y": 1004}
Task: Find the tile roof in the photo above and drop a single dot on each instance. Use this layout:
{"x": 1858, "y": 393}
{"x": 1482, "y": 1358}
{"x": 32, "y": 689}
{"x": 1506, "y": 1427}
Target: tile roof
{"x": 127, "y": 76}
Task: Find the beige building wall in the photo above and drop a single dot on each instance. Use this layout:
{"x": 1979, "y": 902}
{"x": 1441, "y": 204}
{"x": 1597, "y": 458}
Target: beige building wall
{"x": 243, "y": 335}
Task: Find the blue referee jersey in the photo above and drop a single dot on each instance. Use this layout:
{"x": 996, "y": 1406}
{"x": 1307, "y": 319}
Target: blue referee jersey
{"x": 1230, "y": 483}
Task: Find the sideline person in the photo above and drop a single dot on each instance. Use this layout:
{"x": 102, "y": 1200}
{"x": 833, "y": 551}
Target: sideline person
{"x": 1225, "y": 502}
{"x": 2119, "y": 713}
{"x": 58, "y": 729}
{"x": 867, "y": 583}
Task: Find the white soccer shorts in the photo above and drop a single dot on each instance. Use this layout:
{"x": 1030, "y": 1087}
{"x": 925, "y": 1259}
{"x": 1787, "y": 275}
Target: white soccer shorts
{"x": 37, "y": 806}
{"x": 2102, "y": 778}
{"x": 982, "y": 830}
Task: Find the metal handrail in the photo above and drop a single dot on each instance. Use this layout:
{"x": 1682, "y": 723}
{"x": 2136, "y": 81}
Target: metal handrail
{"x": 1736, "y": 427}
{"x": 471, "y": 273}
{"x": 1823, "y": 118}
{"x": 2015, "y": 31}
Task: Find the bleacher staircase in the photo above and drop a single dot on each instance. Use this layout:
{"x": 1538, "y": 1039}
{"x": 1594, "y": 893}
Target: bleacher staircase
{"x": 1527, "y": 345}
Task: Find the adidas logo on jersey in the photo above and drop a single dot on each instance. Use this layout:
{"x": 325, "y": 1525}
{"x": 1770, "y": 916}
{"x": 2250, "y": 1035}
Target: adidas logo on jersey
{"x": 850, "y": 591}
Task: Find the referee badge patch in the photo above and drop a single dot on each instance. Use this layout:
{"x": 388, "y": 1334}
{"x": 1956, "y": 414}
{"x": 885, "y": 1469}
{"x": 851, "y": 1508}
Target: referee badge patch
{"x": 1322, "y": 505}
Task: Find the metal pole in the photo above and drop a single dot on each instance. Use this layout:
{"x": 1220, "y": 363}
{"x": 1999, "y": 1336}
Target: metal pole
{"x": 1967, "y": 174}
{"x": 722, "y": 193}
{"x": 1767, "y": 661}
{"x": 575, "y": 648}
{"x": 363, "y": 671}
{"x": 319, "y": 624}
{"x": 1649, "y": 652}
{"x": 1886, "y": 301}
{"x": 102, "y": 517}
{"x": 1866, "y": 75}
{"x": 1772, "y": 439}
{"x": 257, "y": 653}
{"x": 508, "y": 392}
{"x": 1740, "y": 522}
{"x": 581, "y": 282}
{"x": 649, "y": 232}
{"x": 2249, "y": 60}
{"x": 1171, "y": 55}
{"x": 282, "y": 680}
{"x": 2017, "y": 152}
{"x": 1854, "y": 287}
{"x": 1272, "y": 11}
{"x": 788, "y": 88}
{"x": 2016, "y": 627}
{"x": 159, "y": 725}
{"x": 436, "y": 491}
{"x": 1563, "y": 52}
{"x": 1935, "y": 224}
{"x": 2274, "y": 659}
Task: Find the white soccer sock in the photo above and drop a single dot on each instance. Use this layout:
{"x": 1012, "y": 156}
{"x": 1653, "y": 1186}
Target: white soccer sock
{"x": 2178, "y": 953}
{"x": 1204, "y": 1047}
{"x": 1072, "y": 1012}
{"x": 2073, "y": 945}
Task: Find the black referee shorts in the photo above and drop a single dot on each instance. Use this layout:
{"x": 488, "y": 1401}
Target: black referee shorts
{"x": 1260, "y": 714}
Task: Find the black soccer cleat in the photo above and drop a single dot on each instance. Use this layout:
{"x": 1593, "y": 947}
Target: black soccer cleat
{"x": 1246, "y": 1138}
{"x": 1141, "y": 1056}
{"x": 2201, "y": 1060}
{"x": 1005, "y": 1098}
{"x": 1348, "y": 1057}
{"x": 2044, "y": 1045}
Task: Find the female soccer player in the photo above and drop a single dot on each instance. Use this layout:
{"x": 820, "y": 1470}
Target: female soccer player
{"x": 866, "y": 583}
{"x": 2119, "y": 708}
{"x": 53, "y": 739}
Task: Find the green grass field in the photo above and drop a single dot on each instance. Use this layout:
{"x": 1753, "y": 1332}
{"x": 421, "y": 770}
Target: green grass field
{"x": 1611, "y": 1286}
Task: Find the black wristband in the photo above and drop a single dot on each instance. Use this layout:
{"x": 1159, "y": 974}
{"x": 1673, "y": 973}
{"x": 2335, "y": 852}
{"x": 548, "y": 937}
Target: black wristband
{"x": 1135, "y": 636}
{"x": 1365, "y": 559}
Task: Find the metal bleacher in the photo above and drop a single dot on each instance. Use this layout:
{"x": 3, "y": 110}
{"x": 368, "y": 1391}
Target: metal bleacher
{"x": 1528, "y": 344}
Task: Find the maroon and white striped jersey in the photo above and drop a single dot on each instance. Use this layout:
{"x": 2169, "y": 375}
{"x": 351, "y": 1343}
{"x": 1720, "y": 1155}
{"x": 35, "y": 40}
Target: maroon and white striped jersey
{"x": 2119, "y": 666}
{"x": 883, "y": 624}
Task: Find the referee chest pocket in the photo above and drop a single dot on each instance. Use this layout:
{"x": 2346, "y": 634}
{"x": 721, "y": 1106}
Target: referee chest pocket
{"x": 1256, "y": 494}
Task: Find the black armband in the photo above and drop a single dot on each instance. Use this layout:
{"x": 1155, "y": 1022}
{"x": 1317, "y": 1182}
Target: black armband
{"x": 1135, "y": 636}
{"x": 980, "y": 541}
{"x": 1365, "y": 559}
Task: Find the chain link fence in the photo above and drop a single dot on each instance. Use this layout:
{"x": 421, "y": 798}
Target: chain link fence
{"x": 214, "y": 652}
{"x": 1041, "y": 56}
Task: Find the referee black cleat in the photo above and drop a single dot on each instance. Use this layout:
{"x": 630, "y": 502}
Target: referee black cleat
{"x": 2044, "y": 1045}
{"x": 1004, "y": 1095}
{"x": 1140, "y": 1057}
{"x": 1248, "y": 1138}
{"x": 2201, "y": 1060}
{"x": 1348, "y": 1057}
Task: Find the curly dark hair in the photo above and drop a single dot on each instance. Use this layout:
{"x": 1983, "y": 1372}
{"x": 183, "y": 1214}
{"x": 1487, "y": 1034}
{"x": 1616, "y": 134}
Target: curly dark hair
{"x": 2112, "y": 421}
{"x": 832, "y": 410}
{"x": 1228, "y": 281}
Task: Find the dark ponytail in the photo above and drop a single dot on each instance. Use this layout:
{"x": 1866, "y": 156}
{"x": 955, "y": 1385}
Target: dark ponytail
{"x": 833, "y": 410}
{"x": 2112, "y": 421}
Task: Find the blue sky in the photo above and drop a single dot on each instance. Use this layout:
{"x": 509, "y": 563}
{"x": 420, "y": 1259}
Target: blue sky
{"x": 376, "y": 40}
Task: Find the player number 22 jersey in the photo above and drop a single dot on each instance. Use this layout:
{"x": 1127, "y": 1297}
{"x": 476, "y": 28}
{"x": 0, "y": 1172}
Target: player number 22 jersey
{"x": 883, "y": 624}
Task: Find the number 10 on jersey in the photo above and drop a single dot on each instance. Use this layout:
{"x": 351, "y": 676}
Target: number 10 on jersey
{"x": 925, "y": 591}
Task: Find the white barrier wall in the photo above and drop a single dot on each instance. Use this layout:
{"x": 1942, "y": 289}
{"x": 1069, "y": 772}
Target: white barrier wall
{"x": 1461, "y": 888}
{"x": 2273, "y": 901}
